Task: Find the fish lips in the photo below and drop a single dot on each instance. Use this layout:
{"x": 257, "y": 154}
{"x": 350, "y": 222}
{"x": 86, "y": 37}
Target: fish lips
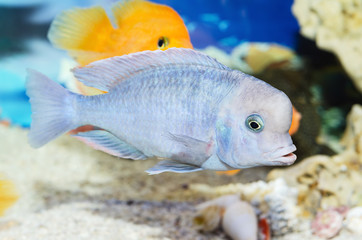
{"x": 283, "y": 156}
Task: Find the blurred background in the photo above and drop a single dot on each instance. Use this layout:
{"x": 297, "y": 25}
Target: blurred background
{"x": 223, "y": 24}
{"x": 310, "y": 49}
{"x": 260, "y": 37}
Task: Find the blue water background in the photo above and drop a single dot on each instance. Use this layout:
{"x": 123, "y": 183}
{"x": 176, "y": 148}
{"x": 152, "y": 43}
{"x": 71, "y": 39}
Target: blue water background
{"x": 227, "y": 23}
{"x": 221, "y": 23}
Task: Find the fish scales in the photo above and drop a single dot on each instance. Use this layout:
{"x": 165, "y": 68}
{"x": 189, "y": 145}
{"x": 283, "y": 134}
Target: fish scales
{"x": 178, "y": 101}
{"x": 177, "y": 104}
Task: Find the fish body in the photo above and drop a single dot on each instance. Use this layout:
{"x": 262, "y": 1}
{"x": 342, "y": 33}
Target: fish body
{"x": 88, "y": 34}
{"x": 178, "y": 104}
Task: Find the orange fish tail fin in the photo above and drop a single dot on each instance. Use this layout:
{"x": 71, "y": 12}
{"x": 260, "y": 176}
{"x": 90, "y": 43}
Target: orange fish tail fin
{"x": 81, "y": 29}
{"x": 8, "y": 195}
{"x": 228, "y": 173}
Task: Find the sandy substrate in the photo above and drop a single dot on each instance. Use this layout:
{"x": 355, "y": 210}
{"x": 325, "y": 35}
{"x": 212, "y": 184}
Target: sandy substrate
{"x": 111, "y": 220}
{"x": 70, "y": 191}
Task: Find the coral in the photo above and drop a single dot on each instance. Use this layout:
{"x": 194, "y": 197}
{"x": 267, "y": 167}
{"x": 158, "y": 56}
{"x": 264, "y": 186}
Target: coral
{"x": 219, "y": 54}
{"x": 275, "y": 200}
{"x": 352, "y": 137}
{"x": 336, "y": 26}
{"x": 327, "y": 223}
{"x": 282, "y": 211}
{"x": 256, "y": 57}
{"x": 322, "y": 186}
{"x": 353, "y": 220}
{"x": 324, "y": 181}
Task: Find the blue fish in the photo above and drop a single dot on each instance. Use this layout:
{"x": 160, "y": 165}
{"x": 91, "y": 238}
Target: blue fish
{"x": 179, "y": 105}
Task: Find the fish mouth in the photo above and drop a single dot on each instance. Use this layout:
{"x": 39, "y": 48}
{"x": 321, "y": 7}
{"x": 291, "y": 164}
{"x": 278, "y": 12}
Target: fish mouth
{"x": 284, "y": 156}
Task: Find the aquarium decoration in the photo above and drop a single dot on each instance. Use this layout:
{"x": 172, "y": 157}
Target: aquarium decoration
{"x": 336, "y": 26}
{"x": 309, "y": 49}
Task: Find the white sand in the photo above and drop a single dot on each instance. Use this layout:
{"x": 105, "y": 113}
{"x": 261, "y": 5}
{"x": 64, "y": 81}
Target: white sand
{"x": 74, "y": 221}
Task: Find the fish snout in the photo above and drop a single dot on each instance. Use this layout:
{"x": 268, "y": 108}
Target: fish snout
{"x": 283, "y": 155}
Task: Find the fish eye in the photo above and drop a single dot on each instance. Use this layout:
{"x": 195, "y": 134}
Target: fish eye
{"x": 162, "y": 42}
{"x": 255, "y": 123}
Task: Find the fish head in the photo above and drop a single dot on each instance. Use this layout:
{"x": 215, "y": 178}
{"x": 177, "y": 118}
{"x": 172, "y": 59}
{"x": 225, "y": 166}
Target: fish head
{"x": 155, "y": 26}
{"x": 168, "y": 29}
{"x": 252, "y": 129}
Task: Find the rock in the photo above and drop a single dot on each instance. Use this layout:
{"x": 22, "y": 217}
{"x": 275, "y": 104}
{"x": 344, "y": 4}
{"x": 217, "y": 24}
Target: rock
{"x": 210, "y": 213}
{"x": 324, "y": 181}
{"x": 353, "y": 220}
{"x": 238, "y": 218}
{"x": 275, "y": 200}
{"x": 336, "y": 26}
{"x": 255, "y": 57}
{"x": 219, "y": 54}
{"x": 352, "y": 137}
{"x": 208, "y": 219}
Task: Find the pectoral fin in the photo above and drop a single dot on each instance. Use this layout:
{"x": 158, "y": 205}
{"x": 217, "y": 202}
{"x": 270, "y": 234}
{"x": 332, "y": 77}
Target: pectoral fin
{"x": 107, "y": 142}
{"x": 172, "y": 166}
{"x": 194, "y": 150}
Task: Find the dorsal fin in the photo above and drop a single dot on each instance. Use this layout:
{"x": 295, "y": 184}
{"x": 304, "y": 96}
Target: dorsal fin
{"x": 107, "y": 73}
{"x": 80, "y": 28}
{"x": 126, "y": 8}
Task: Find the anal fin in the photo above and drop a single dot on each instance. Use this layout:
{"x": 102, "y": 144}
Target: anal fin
{"x": 172, "y": 166}
{"x": 107, "y": 142}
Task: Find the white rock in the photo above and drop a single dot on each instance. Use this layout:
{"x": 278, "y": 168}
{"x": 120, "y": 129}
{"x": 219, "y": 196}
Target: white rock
{"x": 353, "y": 220}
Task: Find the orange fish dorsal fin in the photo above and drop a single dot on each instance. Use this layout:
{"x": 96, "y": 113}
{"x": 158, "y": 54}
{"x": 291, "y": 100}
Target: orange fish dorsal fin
{"x": 81, "y": 29}
{"x": 128, "y": 8}
{"x": 8, "y": 195}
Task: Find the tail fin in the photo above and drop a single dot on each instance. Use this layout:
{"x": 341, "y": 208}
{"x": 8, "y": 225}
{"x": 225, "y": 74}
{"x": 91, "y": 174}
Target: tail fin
{"x": 52, "y": 112}
{"x": 8, "y": 195}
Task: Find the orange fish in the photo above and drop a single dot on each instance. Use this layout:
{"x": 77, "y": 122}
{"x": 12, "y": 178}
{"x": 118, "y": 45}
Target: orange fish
{"x": 8, "y": 195}
{"x": 88, "y": 34}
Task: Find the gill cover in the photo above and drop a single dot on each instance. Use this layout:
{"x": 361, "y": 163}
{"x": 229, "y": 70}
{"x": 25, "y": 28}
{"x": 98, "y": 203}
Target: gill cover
{"x": 223, "y": 139}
